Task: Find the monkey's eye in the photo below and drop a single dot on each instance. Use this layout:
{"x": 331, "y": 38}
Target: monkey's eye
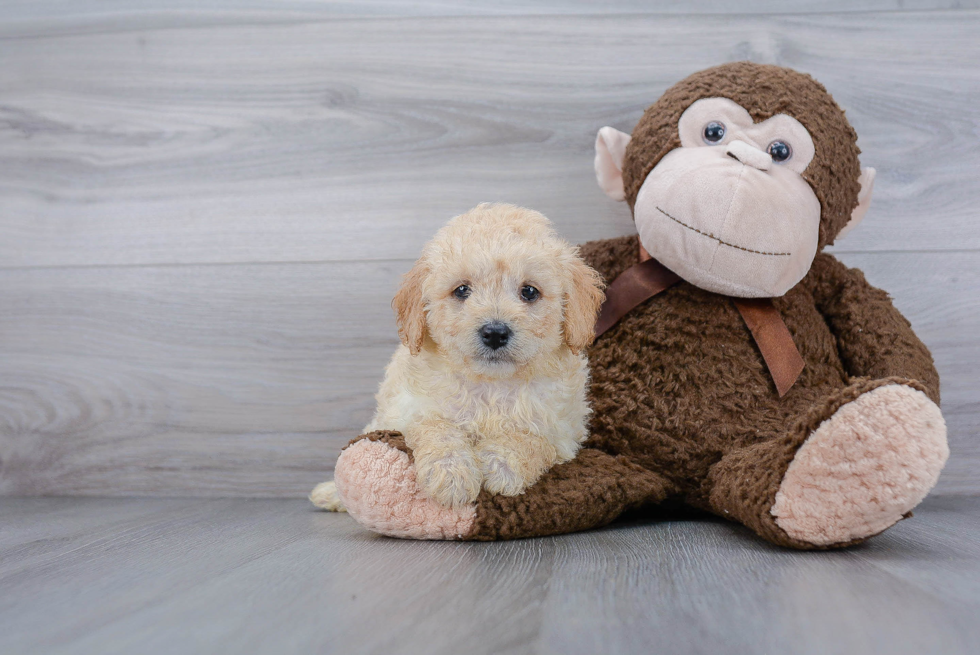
{"x": 462, "y": 292}
{"x": 714, "y": 132}
{"x": 529, "y": 293}
{"x": 779, "y": 151}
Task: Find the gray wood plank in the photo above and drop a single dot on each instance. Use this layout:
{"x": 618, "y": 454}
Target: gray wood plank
{"x": 156, "y": 381}
{"x": 58, "y": 15}
{"x": 294, "y": 142}
{"x": 245, "y": 380}
{"x": 273, "y": 576}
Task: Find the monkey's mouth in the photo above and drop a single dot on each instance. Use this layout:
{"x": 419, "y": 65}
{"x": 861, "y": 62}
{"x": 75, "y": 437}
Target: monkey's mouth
{"x": 722, "y": 242}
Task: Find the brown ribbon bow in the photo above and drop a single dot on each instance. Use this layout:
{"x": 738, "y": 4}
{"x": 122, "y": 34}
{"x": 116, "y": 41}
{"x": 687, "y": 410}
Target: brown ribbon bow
{"x": 645, "y": 280}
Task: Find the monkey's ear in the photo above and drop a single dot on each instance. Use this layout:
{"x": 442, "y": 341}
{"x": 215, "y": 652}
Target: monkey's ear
{"x": 410, "y": 308}
{"x": 867, "y": 181}
{"x": 583, "y": 300}
{"x": 610, "y": 148}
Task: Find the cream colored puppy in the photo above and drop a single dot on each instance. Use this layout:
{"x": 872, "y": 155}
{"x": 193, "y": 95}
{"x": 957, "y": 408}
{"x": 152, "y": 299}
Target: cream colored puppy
{"x": 489, "y": 386}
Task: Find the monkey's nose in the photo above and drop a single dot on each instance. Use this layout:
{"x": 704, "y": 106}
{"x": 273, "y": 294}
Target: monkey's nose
{"x": 495, "y": 334}
{"x": 749, "y": 155}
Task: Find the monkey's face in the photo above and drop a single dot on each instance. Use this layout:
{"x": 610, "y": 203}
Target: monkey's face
{"x": 732, "y": 205}
{"x": 728, "y": 210}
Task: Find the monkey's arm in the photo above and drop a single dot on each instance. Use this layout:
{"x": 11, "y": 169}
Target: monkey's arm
{"x": 376, "y": 481}
{"x": 588, "y": 492}
{"x": 873, "y": 338}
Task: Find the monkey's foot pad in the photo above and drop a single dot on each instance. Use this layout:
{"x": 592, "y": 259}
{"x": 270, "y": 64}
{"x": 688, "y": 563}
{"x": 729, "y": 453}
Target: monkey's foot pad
{"x": 864, "y": 468}
{"x": 378, "y": 487}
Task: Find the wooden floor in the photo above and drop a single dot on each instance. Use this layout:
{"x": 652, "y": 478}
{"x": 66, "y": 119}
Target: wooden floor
{"x": 273, "y": 576}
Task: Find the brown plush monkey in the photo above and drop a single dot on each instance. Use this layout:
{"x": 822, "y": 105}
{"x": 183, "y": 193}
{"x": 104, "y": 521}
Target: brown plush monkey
{"x": 737, "y": 177}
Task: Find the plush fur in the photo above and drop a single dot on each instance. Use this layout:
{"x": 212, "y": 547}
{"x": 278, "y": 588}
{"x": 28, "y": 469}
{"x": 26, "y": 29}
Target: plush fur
{"x": 684, "y": 406}
{"x": 475, "y": 417}
{"x": 854, "y": 474}
{"x": 382, "y": 493}
{"x": 764, "y": 91}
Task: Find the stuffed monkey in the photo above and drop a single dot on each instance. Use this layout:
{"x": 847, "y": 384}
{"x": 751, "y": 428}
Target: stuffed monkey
{"x": 737, "y": 177}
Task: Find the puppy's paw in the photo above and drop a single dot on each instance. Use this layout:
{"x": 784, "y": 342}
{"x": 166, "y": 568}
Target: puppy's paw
{"x": 325, "y": 496}
{"x": 452, "y": 480}
{"x": 502, "y": 473}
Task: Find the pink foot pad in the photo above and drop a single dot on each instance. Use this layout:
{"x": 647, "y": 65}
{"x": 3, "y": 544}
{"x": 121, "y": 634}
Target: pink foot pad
{"x": 377, "y": 486}
{"x": 863, "y": 468}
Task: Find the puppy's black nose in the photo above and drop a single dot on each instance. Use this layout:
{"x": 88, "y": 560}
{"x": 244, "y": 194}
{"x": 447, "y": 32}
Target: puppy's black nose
{"x": 495, "y": 334}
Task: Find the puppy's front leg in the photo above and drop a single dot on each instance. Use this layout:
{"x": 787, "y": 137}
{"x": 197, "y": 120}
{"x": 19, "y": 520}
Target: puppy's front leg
{"x": 446, "y": 466}
{"x": 512, "y": 463}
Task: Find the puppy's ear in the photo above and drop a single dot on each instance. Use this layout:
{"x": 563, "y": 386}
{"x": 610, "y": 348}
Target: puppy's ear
{"x": 410, "y": 308}
{"x": 583, "y": 299}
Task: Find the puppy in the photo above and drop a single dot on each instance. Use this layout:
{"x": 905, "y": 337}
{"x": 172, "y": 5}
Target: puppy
{"x": 489, "y": 384}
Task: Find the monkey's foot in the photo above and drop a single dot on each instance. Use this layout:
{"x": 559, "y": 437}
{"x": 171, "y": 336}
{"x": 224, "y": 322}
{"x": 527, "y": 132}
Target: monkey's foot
{"x": 864, "y": 468}
{"x": 376, "y": 482}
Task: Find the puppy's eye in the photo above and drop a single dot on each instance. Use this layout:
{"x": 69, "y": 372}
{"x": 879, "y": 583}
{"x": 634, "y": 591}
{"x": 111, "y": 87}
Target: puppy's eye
{"x": 713, "y": 132}
{"x": 529, "y": 293}
{"x": 462, "y": 292}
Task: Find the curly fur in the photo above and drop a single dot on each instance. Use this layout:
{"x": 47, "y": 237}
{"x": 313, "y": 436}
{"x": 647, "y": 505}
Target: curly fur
{"x": 480, "y": 419}
{"x": 764, "y": 91}
{"x": 685, "y": 408}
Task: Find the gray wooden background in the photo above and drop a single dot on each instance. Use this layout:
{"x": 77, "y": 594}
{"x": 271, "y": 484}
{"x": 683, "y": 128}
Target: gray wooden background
{"x": 205, "y": 206}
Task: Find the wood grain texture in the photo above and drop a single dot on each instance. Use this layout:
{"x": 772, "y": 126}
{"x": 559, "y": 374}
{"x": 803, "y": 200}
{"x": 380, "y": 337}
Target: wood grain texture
{"x": 272, "y": 576}
{"x": 66, "y": 14}
{"x": 247, "y": 379}
{"x": 204, "y": 207}
{"x": 240, "y": 380}
{"x": 291, "y": 142}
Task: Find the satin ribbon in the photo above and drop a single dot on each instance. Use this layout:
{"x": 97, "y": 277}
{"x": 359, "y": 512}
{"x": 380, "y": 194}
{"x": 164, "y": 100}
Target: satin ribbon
{"x": 645, "y": 280}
